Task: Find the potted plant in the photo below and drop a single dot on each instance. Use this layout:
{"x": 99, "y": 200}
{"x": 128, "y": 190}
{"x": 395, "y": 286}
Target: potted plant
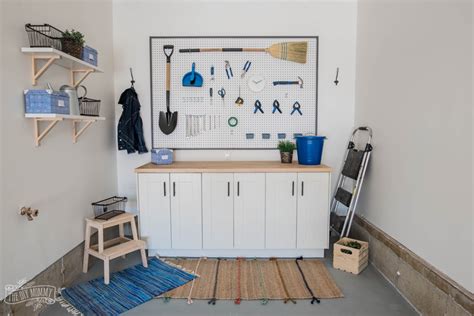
{"x": 286, "y": 151}
{"x": 72, "y": 42}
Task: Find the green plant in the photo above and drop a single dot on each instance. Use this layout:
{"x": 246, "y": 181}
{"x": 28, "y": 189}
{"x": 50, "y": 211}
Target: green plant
{"x": 74, "y": 36}
{"x": 353, "y": 244}
{"x": 285, "y": 146}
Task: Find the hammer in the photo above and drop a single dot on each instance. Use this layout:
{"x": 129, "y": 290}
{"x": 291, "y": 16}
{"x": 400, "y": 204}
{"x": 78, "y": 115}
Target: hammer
{"x": 298, "y": 82}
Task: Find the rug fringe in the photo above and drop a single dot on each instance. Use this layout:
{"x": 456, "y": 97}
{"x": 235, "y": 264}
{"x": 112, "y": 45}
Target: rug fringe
{"x": 178, "y": 266}
{"x": 66, "y": 305}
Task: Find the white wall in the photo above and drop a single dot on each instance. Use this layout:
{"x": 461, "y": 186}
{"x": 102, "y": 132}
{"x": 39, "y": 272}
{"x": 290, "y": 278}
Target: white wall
{"x": 333, "y": 21}
{"x": 414, "y": 88}
{"x": 59, "y": 178}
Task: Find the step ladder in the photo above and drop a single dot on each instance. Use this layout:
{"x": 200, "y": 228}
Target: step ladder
{"x": 352, "y": 175}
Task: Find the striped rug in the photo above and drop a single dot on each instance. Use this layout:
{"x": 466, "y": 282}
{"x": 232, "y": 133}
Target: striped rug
{"x": 127, "y": 289}
{"x": 256, "y": 279}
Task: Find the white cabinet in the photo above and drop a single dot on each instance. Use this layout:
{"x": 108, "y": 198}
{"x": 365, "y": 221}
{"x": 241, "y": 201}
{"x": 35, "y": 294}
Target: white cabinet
{"x": 218, "y": 210}
{"x": 155, "y": 216}
{"x": 249, "y": 210}
{"x": 186, "y": 224}
{"x": 312, "y": 216}
{"x": 280, "y": 210}
{"x": 231, "y": 209}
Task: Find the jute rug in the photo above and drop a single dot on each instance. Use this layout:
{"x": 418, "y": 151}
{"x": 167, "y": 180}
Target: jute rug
{"x": 255, "y": 279}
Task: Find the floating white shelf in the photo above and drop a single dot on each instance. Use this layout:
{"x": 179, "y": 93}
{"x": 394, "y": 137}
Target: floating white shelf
{"x": 53, "y": 119}
{"x": 54, "y": 56}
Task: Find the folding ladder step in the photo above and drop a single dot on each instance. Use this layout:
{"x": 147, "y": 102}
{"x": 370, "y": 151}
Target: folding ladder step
{"x": 353, "y": 163}
{"x": 344, "y": 197}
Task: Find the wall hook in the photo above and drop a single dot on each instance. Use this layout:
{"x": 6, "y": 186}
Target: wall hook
{"x": 337, "y": 75}
{"x": 131, "y": 75}
{"x": 29, "y": 212}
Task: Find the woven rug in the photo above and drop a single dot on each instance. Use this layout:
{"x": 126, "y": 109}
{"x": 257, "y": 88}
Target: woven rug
{"x": 252, "y": 279}
{"x": 127, "y": 289}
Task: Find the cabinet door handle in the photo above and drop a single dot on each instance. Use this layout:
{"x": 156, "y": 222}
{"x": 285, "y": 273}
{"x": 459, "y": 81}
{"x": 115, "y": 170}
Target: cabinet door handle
{"x": 293, "y": 188}
{"x": 238, "y": 188}
{"x": 228, "y": 188}
{"x": 164, "y": 188}
{"x": 174, "y": 188}
{"x": 302, "y": 188}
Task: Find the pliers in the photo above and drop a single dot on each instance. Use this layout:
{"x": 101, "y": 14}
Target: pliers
{"x": 246, "y": 68}
{"x": 228, "y": 69}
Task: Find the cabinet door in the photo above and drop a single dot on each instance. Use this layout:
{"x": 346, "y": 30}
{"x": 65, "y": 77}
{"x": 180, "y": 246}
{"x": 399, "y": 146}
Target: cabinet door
{"x": 218, "y": 210}
{"x": 280, "y": 211}
{"x": 249, "y": 210}
{"x": 186, "y": 211}
{"x": 313, "y": 211}
{"x": 154, "y": 207}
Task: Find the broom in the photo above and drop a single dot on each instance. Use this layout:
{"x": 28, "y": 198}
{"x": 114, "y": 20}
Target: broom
{"x": 291, "y": 51}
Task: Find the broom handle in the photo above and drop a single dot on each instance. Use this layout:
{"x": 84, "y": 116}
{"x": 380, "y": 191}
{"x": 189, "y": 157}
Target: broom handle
{"x": 209, "y": 50}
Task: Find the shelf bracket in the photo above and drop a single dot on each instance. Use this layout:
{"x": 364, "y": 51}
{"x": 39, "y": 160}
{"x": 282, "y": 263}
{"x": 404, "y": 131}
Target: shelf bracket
{"x": 76, "y": 133}
{"x": 49, "y": 61}
{"x": 85, "y": 73}
{"x": 40, "y": 135}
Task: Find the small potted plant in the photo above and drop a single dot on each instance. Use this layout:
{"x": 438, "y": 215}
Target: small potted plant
{"x": 286, "y": 151}
{"x": 72, "y": 43}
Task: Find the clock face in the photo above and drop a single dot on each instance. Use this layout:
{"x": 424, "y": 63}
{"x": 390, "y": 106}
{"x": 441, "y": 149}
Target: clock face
{"x": 256, "y": 83}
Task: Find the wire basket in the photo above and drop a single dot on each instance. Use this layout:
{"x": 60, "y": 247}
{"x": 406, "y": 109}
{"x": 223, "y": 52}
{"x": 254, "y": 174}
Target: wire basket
{"x": 89, "y": 107}
{"x": 44, "y": 36}
{"x": 114, "y": 205}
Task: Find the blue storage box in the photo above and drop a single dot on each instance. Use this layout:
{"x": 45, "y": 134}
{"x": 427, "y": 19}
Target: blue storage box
{"x": 162, "y": 156}
{"x": 89, "y": 55}
{"x": 46, "y": 101}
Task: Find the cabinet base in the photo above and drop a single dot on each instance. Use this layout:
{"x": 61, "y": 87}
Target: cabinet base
{"x": 233, "y": 253}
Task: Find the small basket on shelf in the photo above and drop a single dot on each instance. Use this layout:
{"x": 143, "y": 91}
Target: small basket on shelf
{"x": 44, "y": 35}
{"x": 89, "y": 107}
{"x": 108, "y": 208}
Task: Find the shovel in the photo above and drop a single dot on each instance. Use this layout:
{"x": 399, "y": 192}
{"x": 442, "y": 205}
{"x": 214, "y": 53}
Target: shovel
{"x": 168, "y": 120}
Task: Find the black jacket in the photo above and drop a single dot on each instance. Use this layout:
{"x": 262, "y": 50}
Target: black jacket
{"x": 130, "y": 126}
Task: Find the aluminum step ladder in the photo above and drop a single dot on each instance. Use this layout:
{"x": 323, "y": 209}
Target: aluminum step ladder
{"x": 352, "y": 175}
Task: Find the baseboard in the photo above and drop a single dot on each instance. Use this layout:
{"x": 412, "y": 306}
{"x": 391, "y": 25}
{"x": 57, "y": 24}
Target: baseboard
{"x": 429, "y": 290}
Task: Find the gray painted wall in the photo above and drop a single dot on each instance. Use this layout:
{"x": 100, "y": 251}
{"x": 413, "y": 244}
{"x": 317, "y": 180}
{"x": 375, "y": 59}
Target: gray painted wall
{"x": 59, "y": 178}
{"x": 414, "y": 88}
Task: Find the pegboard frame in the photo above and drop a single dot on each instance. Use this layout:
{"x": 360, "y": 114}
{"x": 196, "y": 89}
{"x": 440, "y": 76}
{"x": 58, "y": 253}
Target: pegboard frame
{"x": 151, "y": 38}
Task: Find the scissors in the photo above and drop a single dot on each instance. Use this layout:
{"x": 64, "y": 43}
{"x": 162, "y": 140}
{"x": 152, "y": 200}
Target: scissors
{"x": 276, "y": 107}
{"x": 296, "y": 107}
{"x": 221, "y": 93}
{"x": 258, "y": 107}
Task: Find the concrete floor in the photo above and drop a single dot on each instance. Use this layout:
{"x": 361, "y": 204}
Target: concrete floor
{"x": 365, "y": 294}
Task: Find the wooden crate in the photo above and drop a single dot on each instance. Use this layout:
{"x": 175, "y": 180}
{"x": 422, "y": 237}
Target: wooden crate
{"x": 353, "y": 262}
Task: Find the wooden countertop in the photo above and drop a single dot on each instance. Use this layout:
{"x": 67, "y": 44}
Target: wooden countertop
{"x": 229, "y": 166}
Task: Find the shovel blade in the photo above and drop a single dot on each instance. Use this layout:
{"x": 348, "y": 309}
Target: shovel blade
{"x": 168, "y": 122}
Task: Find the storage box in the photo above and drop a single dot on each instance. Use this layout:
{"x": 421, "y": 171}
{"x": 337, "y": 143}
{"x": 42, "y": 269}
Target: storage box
{"x": 46, "y": 101}
{"x": 90, "y": 55}
{"x": 350, "y": 259}
{"x": 163, "y": 156}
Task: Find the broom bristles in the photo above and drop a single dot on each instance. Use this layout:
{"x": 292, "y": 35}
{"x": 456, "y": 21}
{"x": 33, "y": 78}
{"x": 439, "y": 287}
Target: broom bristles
{"x": 291, "y": 51}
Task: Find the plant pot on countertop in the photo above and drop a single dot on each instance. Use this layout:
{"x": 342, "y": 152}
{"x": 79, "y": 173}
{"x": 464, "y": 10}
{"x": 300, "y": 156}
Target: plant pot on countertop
{"x": 286, "y": 157}
{"x": 71, "y": 47}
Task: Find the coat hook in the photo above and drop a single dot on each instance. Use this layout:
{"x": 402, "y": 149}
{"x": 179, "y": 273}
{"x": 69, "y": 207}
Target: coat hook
{"x": 131, "y": 75}
{"x": 337, "y": 76}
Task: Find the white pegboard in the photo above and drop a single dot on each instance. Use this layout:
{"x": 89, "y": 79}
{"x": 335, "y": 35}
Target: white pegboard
{"x": 196, "y": 101}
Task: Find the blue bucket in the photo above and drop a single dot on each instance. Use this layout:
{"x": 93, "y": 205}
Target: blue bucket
{"x": 310, "y": 149}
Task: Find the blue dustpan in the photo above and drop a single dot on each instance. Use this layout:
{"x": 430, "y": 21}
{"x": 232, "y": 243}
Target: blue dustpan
{"x": 193, "y": 78}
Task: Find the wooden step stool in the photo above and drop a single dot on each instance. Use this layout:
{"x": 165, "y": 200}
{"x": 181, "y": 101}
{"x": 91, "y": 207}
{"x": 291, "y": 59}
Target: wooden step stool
{"x": 113, "y": 248}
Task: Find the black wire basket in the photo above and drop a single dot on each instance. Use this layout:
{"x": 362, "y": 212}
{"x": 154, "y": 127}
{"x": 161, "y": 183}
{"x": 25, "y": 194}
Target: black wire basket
{"x": 44, "y": 35}
{"x": 89, "y": 107}
{"x": 110, "y": 207}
